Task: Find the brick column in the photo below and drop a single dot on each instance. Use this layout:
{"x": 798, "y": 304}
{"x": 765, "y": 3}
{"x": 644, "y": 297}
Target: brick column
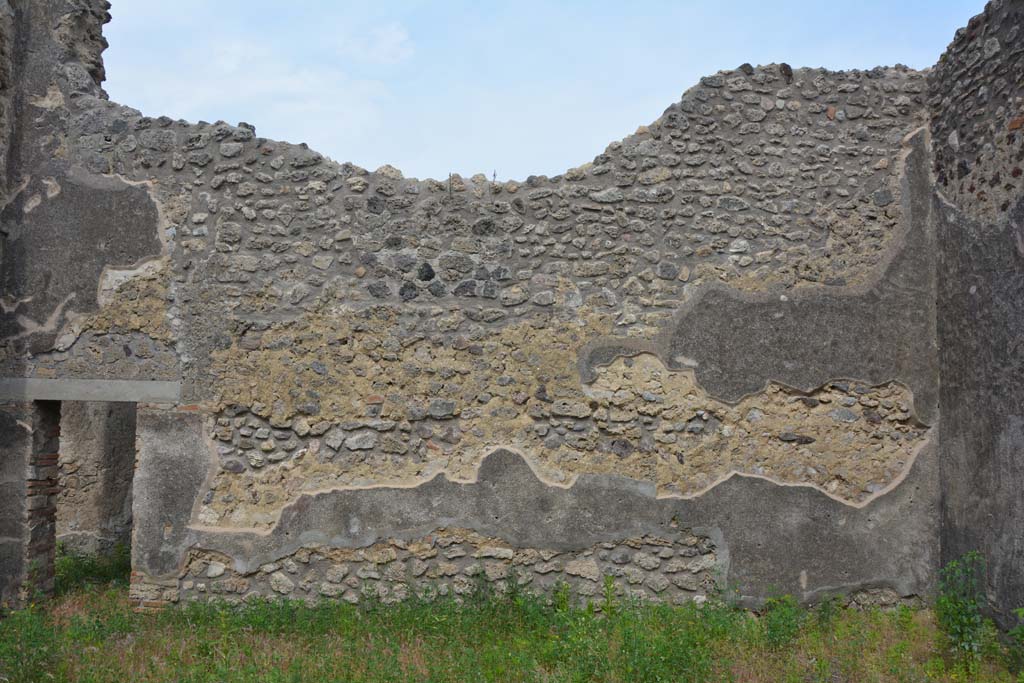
{"x": 29, "y": 444}
{"x": 41, "y": 499}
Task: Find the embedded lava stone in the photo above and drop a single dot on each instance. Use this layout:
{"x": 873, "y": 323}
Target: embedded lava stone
{"x": 425, "y": 272}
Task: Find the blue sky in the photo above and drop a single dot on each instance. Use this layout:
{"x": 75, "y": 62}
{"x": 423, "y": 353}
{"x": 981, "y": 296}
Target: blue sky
{"x": 516, "y": 88}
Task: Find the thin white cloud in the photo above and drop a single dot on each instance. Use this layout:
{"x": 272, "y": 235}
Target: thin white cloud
{"x": 238, "y": 78}
{"x": 386, "y": 44}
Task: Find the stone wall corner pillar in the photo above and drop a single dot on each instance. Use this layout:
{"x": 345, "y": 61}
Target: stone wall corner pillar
{"x": 172, "y": 461}
{"x": 29, "y": 444}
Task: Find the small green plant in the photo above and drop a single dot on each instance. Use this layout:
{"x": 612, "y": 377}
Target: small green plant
{"x": 1017, "y": 632}
{"x": 781, "y": 621}
{"x": 483, "y": 591}
{"x": 1016, "y": 645}
{"x": 826, "y": 612}
{"x": 960, "y": 605}
{"x": 73, "y": 570}
{"x": 561, "y": 597}
{"x": 609, "y": 602}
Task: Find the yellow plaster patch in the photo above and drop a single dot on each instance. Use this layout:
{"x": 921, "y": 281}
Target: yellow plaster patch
{"x": 518, "y": 387}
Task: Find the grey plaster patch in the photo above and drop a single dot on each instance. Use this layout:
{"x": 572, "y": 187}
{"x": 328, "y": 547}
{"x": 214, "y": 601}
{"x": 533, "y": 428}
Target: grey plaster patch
{"x": 171, "y": 465}
{"x": 771, "y": 534}
{"x": 981, "y": 328}
{"x": 55, "y": 254}
{"x": 979, "y": 211}
{"x": 738, "y": 342}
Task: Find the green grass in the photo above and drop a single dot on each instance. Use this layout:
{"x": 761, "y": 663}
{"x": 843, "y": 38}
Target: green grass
{"x": 90, "y": 633}
{"x": 75, "y": 571}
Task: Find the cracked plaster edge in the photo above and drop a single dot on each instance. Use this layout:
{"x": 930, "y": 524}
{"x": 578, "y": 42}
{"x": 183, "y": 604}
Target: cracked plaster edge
{"x": 113, "y": 276}
{"x": 631, "y": 346}
{"x": 644, "y": 488}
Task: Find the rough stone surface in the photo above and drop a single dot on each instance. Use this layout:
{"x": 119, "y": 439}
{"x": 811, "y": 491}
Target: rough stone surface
{"x": 977, "y": 120}
{"x": 978, "y": 105}
{"x": 459, "y": 562}
{"x": 726, "y": 326}
{"x": 742, "y": 515}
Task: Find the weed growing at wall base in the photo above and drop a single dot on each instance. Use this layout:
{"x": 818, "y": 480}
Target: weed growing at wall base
{"x": 960, "y": 607}
{"x": 73, "y": 570}
{"x": 90, "y": 633}
{"x": 1016, "y": 648}
{"x": 781, "y": 621}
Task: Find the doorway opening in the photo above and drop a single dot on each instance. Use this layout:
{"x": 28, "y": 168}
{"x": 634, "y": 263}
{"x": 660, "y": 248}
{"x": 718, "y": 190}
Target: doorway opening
{"x": 96, "y": 465}
{"x": 79, "y": 494}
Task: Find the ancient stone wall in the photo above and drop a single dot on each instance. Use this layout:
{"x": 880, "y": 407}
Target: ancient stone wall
{"x": 454, "y": 562}
{"x": 721, "y": 330}
{"x": 7, "y": 89}
{"x": 976, "y": 92}
{"x": 978, "y": 129}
